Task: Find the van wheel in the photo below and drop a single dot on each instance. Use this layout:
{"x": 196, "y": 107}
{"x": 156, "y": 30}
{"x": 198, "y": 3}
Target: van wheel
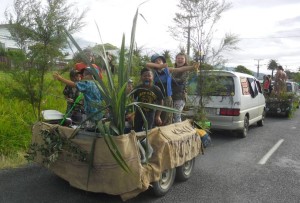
{"x": 262, "y": 121}
{"x": 243, "y": 133}
{"x": 161, "y": 187}
{"x": 184, "y": 172}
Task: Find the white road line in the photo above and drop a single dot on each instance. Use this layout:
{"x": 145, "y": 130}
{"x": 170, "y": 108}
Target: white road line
{"x": 270, "y": 152}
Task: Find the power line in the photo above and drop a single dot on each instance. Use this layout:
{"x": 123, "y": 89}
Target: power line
{"x": 286, "y": 37}
{"x": 269, "y": 37}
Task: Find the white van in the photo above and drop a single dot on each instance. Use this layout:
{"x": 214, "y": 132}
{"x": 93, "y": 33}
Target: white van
{"x": 235, "y": 103}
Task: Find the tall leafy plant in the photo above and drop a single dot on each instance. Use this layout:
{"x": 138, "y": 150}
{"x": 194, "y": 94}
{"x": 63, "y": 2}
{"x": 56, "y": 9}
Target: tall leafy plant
{"x": 37, "y": 25}
{"x": 115, "y": 96}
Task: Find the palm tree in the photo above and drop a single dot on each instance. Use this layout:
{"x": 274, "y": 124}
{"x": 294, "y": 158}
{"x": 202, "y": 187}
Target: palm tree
{"x": 166, "y": 54}
{"x": 272, "y": 66}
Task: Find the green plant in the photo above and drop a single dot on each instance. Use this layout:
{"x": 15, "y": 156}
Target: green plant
{"x": 53, "y": 146}
{"x": 114, "y": 96}
{"x": 38, "y": 26}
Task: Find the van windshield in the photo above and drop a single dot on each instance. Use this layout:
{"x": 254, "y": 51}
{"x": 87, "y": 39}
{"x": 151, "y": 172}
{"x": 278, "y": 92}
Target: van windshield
{"x": 215, "y": 85}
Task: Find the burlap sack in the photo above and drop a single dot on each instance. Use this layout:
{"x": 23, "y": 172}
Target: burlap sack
{"x": 173, "y": 145}
{"x": 106, "y": 176}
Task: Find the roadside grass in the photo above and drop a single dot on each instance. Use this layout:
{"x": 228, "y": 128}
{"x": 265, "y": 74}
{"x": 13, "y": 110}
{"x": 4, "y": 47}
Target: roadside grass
{"x": 17, "y": 118}
{"x": 294, "y": 109}
{"x": 13, "y": 161}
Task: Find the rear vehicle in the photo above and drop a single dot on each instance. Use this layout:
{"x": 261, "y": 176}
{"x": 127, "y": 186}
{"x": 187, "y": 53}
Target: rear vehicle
{"x": 285, "y": 103}
{"x": 235, "y": 102}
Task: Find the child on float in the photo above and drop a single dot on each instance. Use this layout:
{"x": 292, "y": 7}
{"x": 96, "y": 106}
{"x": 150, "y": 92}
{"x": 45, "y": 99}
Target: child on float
{"x": 92, "y": 96}
{"x": 147, "y": 92}
{"x": 163, "y": 79}
{"x": 71, "y": 94}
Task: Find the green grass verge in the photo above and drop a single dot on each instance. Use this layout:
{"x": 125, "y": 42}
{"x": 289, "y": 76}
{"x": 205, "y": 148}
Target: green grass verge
{"x": 17, "y": 118}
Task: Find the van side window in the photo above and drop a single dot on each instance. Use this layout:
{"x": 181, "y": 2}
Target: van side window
{"x": 258, "y": 86}
{"x": 252, "y": 87}
{"x": 245, "y": 86}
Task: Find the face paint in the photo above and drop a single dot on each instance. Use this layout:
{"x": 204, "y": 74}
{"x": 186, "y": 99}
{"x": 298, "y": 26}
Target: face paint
{"x": 147, "y": 82}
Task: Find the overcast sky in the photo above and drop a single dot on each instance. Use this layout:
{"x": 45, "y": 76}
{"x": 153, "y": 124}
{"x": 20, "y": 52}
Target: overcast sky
{"x": 268, "y": 29}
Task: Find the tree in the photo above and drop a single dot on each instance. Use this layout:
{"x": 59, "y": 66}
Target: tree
{"x": 289, "y": 74}
{"x": 297, "y": 77}
{"x": 196, "y": 24}
{"x": 38, "y": 28}
{"x": 272, "y": 65}
{"x": 243, "y": 69}
{"x": 166, "y": 54}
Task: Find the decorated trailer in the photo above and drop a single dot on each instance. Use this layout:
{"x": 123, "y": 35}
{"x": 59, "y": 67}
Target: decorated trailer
{"x": 284, "y": 103}
{"x": 84, "y": 159}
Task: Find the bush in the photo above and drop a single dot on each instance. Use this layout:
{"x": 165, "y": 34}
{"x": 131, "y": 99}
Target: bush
{"x": 17, "y": 116}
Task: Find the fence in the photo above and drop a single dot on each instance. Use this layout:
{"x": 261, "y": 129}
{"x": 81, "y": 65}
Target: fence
{"x": 5, "y": 63}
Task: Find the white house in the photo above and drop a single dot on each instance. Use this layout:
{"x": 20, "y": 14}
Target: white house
{"x": 5, "y": 38}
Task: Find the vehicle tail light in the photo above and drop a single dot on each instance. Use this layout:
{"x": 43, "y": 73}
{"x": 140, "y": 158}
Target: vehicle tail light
{"x": 229, "y": 112}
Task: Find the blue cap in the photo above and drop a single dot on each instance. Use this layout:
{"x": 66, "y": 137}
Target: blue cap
{"x": 156, "y": 56}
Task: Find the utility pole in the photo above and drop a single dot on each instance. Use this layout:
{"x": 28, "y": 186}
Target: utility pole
{"x": 189, "y": 27}
{"x": 258, "y": 60}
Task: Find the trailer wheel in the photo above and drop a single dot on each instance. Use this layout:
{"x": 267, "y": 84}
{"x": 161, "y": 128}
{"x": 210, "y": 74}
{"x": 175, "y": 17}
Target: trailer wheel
{"x": 161, "y": 187}
{"x": 185, "y": 171}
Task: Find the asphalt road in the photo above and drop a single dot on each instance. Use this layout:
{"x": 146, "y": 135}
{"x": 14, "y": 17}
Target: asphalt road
{"x": 229, "y": 171}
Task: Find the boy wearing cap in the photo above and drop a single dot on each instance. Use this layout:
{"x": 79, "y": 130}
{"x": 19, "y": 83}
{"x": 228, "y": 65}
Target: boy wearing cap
{"x": 71, "y": 93}
{"x": 163, "y": 79}
{"x": 80, "y": 66}
{"x": 92, "y": 95}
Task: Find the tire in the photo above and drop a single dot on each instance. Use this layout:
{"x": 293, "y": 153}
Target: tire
{"x": 161, "y": 187}
{"x": 286, "y": 114}
{"x": 262, "y": 121}
{"x": 185, "y": 171}
{"x": 243, "y": 133}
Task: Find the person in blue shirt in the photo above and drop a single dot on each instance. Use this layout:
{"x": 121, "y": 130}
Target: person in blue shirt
{"x": 163, "y": 79}
{"x": 92, "y": 96}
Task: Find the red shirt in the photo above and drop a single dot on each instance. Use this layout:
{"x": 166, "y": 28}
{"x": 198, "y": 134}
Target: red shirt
{"x": 266, "y": 84}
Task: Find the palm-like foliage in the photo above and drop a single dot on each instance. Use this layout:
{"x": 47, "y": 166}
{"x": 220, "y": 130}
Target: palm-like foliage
{"x": 115, "y": 97}
{"x": 272, "y": 66}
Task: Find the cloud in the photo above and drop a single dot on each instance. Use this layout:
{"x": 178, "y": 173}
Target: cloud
{"x": 290, "y": 22}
